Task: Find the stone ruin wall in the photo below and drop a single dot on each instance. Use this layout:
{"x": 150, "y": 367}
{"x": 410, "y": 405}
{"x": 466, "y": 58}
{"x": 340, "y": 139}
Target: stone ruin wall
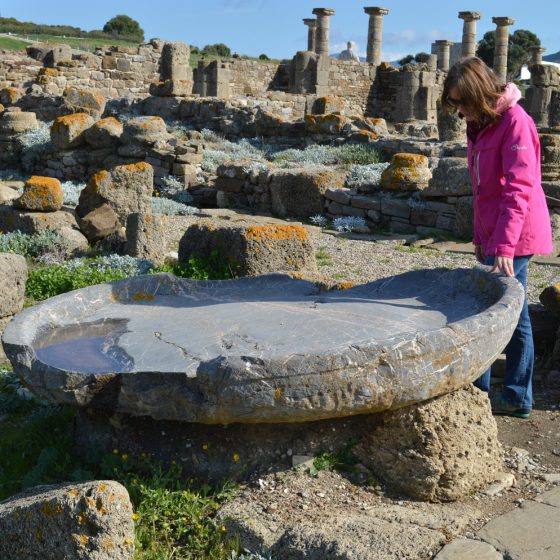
{"x": 116, "y": 72}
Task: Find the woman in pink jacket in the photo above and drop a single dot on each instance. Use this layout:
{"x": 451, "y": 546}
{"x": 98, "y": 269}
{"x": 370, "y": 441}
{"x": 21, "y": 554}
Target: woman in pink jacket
{"x": 511, "y": 220}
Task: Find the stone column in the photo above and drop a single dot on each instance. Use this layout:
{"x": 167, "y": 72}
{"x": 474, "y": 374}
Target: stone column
{"x": 443, "y": 54}
{"x": 536, "y": 54}
{"x": 468, "y": 46}
{"x": 501, "y": 46}
{"x": 323, "y": 26}
{"x": 311, "y": 32}
{"x": 375, "y": 33}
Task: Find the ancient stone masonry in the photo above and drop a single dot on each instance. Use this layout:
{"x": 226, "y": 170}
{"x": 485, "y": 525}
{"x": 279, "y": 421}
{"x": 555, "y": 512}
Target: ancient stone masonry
{"x": 115, "y": 71}
{"x": 468, "y": 44}
{"x": 375, "y": 32}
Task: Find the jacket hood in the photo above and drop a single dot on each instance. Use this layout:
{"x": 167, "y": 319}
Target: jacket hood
{"x": 509, "y": 98}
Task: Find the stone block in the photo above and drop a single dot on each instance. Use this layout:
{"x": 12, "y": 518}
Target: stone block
{"x": 397, "y": 207}
{"x": 464, "y": 218}
{"x": 342, "y": 196}
{"x": 57, "y": 55}
{"x": 125, "y": 188}
{"x": 229, "y": 185}
{"x": 550, "y": 298}
{"x": 422, "y": 217}
{"x": 104, "y": 133}
{"x": 82, "y": 100}
{"x": 71, "y": 521}
{"x": 328, "y": 104}
{"x": 67, "y": 132}
{"x": 407, "y": 172}
{"x": 552, "y": 191}
{"x": 550, "y": 156}
{"x": 13, "y": 123}
{"x": 10, "y": 95}
{"x": 175, "y": 61}
{"x": 13, "y": 275}
{"x": 439, "y": 450}
{"x": 145, "y": 131}
{"x": 450, "y": 178}
{"x": 172, "y": 88}
{"x": 353, "y": 211}
{"x": 145, "y": 236}
{"x": 13, "y": 219}
{"x": 41, "y": 194}
{"x": 99, "y": 223}
{"x": 250, "y": 250}
{"x": 300, "y": 192}
{"x": 445, "y": 222}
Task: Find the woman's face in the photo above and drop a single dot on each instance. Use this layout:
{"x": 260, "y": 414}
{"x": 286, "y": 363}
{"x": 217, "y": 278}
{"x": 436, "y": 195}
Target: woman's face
{"x": 454, "y": 99}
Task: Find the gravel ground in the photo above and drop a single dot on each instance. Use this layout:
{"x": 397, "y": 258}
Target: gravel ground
{"x": 349, "y": 260}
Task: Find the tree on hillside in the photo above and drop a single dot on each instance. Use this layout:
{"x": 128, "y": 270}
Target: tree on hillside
{"x": 217, "y": 49}
{"x": 518, "y": 49}
{"x": 124, "y": 26}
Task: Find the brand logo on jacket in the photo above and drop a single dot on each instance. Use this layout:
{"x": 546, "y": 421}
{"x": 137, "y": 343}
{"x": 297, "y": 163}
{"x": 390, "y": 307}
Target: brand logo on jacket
{"x": 518, "y": 147}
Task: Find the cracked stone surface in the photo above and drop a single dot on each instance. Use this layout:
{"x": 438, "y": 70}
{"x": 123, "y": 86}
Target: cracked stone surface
{"x": 264, "y": 349}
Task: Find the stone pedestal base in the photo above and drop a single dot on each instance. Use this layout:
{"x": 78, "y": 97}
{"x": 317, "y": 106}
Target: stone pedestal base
{"x": 439, "y": 450}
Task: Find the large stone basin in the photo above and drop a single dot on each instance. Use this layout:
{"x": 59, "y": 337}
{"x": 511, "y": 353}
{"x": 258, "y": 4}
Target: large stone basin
{"x": 265, "y": 349}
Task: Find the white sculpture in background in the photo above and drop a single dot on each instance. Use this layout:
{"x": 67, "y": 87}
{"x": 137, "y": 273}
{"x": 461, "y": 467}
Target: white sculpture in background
{"x": 350, "y": 52}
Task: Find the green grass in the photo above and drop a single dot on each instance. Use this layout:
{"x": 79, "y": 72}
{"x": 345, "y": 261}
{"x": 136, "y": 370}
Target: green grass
{"x": 342, "y": 461}
{"x": 9, "y": 44}
{"x": 82, "y": 43}
{"x": 323, "y": 257}
{"x": 175, "y": 519}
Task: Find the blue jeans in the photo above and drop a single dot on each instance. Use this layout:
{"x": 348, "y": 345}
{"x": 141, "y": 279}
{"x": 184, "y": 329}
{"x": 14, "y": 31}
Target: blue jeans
{"x": 520, "y": 353}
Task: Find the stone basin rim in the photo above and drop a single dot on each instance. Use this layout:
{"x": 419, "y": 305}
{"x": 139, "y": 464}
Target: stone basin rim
{"x": 506, "y": 304}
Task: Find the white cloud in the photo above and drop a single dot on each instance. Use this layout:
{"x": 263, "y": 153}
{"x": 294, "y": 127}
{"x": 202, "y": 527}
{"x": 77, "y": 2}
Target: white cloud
{"x": 411, "y": 37}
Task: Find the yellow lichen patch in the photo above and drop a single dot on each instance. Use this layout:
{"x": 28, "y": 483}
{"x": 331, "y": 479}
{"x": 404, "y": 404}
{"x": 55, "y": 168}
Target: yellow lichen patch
{"x": 107, "y": 544}
{"x": 42, "y": 182}
{"x": 1, "y": 107}
{"x": 81, "y": 518}
{"x": 107, "y": 122}
{"x": 386, "y": 66}
{"x": 90, "y": 502}
{"x": 102, "y": 487}
{"x": 370, "y": 134}
{"x": 12, "y": 94}
{"x": 80, "y": 539}
{"x": 49, "y": 72}
{"x": 139, "y": 167}
{"x": 278, "y": 393}
{"x": 80, "y": 119}
{"x": 143, "y": 296}
{"x": 73, "y": 493}
{"x": 410, "y": 160}
{"x": 331, "y": 179}
{"x": 39, "y": 535}
{"x": 344, "y": 285}
{"x": 97, "y": 179}
{"x": 277, "y": 232}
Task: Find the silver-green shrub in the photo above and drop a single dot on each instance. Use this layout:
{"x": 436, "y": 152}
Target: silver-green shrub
{"x": 34, "y": 143}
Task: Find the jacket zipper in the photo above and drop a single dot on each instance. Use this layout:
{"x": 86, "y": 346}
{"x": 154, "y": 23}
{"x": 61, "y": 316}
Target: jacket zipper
{"x": 476, "y": 165}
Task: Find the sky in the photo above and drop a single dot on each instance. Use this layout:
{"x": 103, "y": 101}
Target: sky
{"x": 275, "y": 27}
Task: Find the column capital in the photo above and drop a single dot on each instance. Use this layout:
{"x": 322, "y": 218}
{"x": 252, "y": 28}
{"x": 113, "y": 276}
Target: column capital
{"x": 376, "y": 11}
{"x": 537, "y": 48}
{"x": 503, "y": 21}
{"x": 323, "y": 11}
{"x": 444, "y": 42}
{"x": 469, "y": 16}
{"x": 312, "y": 22}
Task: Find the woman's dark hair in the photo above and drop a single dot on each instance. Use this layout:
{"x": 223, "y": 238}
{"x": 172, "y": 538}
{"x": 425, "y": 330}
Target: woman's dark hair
{"x": 479, "y": 89}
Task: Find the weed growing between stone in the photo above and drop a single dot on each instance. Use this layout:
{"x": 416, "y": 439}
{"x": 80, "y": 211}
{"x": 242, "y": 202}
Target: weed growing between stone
{"x": 33, "y": 245}
{"x": 34, "y": 144}
{"x": 342, "y": 461}
{"x": 54, "y": 279}
{"x": 174, "y": 518}
{"x": 72, "y": 192}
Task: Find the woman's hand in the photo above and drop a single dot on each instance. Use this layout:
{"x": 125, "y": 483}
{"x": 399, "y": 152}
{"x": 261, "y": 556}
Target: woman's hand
{"x": 503, "y": 265}
{"x": 479, "y": 253}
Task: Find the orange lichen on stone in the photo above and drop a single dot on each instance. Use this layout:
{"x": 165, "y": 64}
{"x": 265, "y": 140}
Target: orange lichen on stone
{"x": 277, "y": 232}
{"x": 49, "y": 72}
{"x": 370, "y": 134}
{"x": 82, "y": 519}
{"x": 331, "y": 179}
{"x": 278, "y": 393}
{"x": 107, "y": 544}
{"x": 81, "y": 539}
{"x": 139, "y": 167}
{"x": 97, "y": 179}
{"x": 82, "y": 119}
{"x": 410, "y": 160}
{"x": 41, "y": 193}
{"x": 344, "y": 285}
{"x": 143, "y": 296}
{"x": 107, "y": 121}
{"x": 386, "y": 66}
{"x": 11, "y": 93}
{"x": 73, "y": 493}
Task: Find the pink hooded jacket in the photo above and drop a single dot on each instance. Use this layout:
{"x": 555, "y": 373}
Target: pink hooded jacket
{"x": 510, "y": 213}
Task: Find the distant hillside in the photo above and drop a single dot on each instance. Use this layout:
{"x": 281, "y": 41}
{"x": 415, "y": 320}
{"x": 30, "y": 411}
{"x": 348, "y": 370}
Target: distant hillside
{"x": 555, "y": 57}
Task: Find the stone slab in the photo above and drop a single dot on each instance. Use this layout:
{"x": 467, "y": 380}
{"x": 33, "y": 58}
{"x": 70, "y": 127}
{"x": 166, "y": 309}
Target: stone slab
{"x": 531, "y": 532}
{"x": 468, "y": 549}
{"x": 264, "y": 349}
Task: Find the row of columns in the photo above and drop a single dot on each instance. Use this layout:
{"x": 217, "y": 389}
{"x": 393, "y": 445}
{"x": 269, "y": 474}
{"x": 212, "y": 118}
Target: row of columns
{"x": 319, "y": 28}
{"x": 318, "y": 32}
